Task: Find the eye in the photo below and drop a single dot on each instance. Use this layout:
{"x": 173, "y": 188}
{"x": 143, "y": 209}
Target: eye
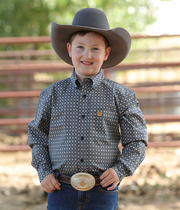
{"x": 80, "y": 47}
{"x": 95, "y": 48}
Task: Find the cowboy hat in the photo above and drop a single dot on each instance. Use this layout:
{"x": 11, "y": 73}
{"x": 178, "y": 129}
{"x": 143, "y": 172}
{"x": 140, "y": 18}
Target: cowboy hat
{"x": 95, "y": 20}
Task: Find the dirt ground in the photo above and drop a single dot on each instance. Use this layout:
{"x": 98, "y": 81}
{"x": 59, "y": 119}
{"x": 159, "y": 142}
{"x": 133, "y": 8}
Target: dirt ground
{"x": 154, "y": 186}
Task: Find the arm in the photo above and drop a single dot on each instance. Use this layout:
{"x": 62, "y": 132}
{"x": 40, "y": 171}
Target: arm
{"x": 38, "y": 140}
{"x": 133, "y": 138}
{"x": 134, "y": 141}
{"x": 38, "y": 136}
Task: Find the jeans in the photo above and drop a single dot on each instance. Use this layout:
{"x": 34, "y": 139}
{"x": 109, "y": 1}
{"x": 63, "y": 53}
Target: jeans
{"x": 97, "y": 198}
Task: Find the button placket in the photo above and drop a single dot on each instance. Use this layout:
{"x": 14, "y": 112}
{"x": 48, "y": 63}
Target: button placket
{"x": 83, "y": 131}
{"x": 83, "y": 113}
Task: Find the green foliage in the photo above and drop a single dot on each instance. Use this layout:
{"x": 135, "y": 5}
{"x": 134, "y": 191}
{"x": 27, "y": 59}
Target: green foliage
{"x": 23, "y": 18}
{"x": 34, "y": 17}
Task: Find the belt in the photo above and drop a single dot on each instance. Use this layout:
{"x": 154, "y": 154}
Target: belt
{"x": 79, "y": 178}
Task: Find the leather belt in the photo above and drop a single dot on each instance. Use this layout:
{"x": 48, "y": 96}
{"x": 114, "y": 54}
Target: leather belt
{"x": 67, "y": 179}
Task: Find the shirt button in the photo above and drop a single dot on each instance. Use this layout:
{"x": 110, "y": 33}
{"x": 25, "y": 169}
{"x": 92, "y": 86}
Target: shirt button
{"x": 84, "y": 96}
{"x": 82, "y": 137}
{"x": 83, "y": 116}
{"x": 82, "y": 160}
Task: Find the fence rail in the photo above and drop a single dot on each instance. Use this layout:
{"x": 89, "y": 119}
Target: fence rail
{"x": 46, "y": 67}
{"x": 149, "y": 119}
{"x": 16, "y": 148}
{"x": 36, "y": 93}
{"x": 44, "y": 39}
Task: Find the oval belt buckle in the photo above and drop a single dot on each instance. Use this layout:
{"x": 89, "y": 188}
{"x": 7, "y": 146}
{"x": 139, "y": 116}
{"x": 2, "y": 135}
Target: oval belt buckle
{"x": 82, "y": 181}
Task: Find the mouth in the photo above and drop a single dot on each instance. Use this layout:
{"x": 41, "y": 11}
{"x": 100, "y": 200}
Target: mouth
{"x": 86, "y": 63}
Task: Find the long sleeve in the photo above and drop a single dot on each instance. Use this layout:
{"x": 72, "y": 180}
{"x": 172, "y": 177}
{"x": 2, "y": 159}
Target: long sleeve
{"x": 38, "y": 136}
{"x": 133, "y": 136}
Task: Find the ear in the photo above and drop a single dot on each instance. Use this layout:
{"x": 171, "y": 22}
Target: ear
{"x": 107, "y": 52}
{"x": 69, "y": 49}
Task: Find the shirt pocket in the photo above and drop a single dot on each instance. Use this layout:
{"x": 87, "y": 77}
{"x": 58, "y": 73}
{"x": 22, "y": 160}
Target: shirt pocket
{"x": 105, "y": 119}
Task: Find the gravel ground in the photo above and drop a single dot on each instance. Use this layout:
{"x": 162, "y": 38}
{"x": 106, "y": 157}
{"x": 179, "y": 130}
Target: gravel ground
{"x": 154, "y": 186}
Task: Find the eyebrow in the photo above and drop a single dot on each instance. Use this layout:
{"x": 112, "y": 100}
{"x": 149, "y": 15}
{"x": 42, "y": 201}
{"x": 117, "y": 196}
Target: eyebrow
{"x": 92, "y": 45}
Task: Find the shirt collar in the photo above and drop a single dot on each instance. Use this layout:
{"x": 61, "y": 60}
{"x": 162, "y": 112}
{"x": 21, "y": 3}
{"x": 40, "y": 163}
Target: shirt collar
{"x": 95, "y": 79}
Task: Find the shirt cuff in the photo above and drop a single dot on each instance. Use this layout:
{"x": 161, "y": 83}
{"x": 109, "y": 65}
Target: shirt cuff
{"x": 43, "y": 174}
{"x": 119, "y": 173}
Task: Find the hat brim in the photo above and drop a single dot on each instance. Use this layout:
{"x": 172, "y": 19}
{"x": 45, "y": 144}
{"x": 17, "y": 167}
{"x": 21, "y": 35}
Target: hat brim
{"x": 119, "y": 40}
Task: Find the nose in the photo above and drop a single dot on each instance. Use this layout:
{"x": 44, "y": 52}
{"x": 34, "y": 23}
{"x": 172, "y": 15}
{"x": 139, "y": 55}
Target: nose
{"x": 87, "y": 53}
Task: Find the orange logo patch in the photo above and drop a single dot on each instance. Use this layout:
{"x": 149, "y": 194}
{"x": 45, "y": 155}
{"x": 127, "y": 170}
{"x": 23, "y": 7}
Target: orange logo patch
{"x": 99, "y": 113}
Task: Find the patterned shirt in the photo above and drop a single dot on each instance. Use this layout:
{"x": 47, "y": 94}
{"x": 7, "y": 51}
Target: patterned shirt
{"x": 78, "y": 127}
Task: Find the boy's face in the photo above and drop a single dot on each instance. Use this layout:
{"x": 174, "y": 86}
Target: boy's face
{"x": 88, "y": 53}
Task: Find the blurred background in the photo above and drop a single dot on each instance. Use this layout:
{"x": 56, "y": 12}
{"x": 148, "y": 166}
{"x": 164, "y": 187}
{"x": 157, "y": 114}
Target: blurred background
{"x": 28, "y": 64}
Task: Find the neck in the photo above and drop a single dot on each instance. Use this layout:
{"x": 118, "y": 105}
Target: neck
{"x": 81, "y": 78}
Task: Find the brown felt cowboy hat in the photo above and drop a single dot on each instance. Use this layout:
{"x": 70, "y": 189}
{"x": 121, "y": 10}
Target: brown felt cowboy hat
{"x": 91, "y": 19}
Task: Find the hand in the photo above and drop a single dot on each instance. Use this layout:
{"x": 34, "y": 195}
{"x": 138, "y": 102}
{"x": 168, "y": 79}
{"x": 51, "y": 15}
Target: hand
{"x": 109, "y": 177}
{"x": 50, "y": 183}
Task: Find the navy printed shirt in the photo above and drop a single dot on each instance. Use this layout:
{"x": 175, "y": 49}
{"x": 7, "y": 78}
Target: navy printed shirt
{"x": 78, "y": 127}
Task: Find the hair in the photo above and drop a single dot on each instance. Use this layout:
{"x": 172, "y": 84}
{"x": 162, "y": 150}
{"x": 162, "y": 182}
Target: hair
{"x": 82, "y": 33}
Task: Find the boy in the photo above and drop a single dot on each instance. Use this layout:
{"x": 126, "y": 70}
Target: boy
{"x": 80, "y": 120}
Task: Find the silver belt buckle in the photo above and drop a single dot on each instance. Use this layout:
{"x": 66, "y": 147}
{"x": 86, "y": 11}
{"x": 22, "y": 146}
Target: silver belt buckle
{"x": 83, "y": 181}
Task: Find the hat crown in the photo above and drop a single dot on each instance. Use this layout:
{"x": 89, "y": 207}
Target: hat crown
{"x": 91, "y": 17}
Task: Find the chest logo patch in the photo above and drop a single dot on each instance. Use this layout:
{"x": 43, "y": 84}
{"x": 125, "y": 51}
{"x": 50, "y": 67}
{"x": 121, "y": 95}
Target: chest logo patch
{"x": 99, "y": 113}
